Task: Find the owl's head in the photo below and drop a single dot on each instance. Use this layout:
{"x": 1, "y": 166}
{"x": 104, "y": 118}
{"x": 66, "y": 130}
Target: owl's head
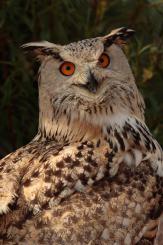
{"x": 88, "y": 80}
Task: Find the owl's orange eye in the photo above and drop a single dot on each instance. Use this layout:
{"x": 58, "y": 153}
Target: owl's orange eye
{"x": 104, "y": 60}
{"x": 67, "y": 68}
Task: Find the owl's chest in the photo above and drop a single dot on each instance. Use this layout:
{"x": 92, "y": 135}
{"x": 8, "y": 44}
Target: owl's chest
{"x": 118, "y": 202}
{"x": 57, "y": 174}
{"x": 72, "y": 168}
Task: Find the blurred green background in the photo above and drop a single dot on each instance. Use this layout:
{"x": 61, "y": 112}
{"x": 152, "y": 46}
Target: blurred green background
{"x": 63, "y": 21}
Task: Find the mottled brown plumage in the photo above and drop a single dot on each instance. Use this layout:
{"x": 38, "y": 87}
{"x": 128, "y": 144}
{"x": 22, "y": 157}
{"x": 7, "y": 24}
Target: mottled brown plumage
{"x": 93, "y": 175}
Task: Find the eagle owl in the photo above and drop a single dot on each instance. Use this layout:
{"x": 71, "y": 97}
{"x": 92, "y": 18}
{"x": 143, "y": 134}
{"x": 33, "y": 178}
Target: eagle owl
{"x": 93, "y": 175}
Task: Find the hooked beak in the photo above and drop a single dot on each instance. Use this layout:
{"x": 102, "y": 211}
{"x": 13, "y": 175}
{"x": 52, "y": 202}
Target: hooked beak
{"x": 91, "y": 84}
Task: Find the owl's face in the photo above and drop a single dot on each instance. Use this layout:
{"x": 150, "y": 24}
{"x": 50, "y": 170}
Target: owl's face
{"x": 88, "y": 78}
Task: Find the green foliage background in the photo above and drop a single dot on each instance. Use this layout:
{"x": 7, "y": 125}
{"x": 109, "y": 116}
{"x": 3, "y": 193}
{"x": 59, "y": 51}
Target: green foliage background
{"x": 62, "y": 21}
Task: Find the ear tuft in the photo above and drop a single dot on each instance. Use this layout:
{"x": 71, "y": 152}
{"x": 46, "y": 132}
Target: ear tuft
{"x": 41, "y": 49}
{"x": 118, "y": 36}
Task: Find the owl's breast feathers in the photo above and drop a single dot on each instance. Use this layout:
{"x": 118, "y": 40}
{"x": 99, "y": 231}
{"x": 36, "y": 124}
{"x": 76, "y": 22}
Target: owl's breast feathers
{"x": 92, "y": 192}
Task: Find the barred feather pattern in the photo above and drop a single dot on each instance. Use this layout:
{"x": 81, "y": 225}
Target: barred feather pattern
{"x": 94, "y": 173}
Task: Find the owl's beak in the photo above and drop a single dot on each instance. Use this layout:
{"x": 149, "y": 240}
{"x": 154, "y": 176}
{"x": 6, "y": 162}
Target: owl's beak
{"x": 92, "y": 84}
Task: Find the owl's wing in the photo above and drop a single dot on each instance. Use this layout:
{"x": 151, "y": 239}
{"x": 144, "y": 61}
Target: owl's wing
{"x": 11, "y": 172}
{"x": 15, "y": 166}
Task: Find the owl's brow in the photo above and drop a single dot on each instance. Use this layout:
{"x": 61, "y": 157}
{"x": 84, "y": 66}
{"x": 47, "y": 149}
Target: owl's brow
{"x": 51, "y": 52}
